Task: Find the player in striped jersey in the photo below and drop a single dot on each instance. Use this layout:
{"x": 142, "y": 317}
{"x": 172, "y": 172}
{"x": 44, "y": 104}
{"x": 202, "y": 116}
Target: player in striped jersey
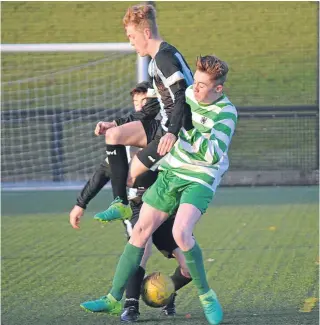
{"x": 188, "y": 181}
{"x": 171, "y": 76}
{"x": 200, "y": 154}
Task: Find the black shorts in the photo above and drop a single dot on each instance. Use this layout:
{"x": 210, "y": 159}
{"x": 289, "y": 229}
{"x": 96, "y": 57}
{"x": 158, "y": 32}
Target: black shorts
{"x": 162, "y": 238}
{"x": 148, "y": 155}
{"x": 145, "y": 180}
{"x": 151, "y": 128}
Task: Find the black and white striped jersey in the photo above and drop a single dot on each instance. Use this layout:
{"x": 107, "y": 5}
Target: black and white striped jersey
{"x": 171, "y": 77}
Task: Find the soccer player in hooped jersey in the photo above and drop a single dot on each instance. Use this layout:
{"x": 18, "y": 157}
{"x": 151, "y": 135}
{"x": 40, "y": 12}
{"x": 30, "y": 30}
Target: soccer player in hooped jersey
{"x": 189, "y": 177}
{"x": 171, "y": 77}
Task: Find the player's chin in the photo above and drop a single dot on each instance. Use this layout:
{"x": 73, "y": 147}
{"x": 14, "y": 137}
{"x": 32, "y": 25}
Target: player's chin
{"x": 141, "y": 51}
{"x": 142, "y": 54}
{"x": 198, "y": 98}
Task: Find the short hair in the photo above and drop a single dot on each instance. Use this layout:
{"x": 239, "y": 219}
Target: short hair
{"x": 141, "y": 88}
{"x": 141, "y": 16}
{"x": 213, "y": 66}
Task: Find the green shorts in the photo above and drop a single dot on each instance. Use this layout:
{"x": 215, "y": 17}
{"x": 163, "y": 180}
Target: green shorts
{"x": 169, "y": 191}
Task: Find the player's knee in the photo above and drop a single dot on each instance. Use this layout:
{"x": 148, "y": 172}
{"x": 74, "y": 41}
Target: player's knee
{"x": 112, "y": 136}
{"x": 130, "y": 181}
{"x": 139, "y": 236}
{"x": 182, "y": 237}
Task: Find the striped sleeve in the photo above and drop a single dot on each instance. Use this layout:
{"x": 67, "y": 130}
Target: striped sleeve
{"x": 175, "y": 76}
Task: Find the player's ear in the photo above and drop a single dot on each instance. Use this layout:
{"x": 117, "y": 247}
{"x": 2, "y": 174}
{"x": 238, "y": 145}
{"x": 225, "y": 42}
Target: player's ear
{"x": 147, "y": 33}
{"x": 219, "y": 89}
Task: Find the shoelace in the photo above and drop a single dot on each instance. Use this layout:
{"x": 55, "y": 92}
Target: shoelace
{"x": 106, "y": 299}
{"x": 209, "y": 305}
{"x": 116, "y": 200}
{"x": 133, "y": 309}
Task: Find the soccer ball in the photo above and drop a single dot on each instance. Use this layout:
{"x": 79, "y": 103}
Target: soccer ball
{"x": 157, "y": 289}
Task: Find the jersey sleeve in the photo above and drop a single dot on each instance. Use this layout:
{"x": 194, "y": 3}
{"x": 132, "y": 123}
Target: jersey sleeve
{"x": 170, "y": 67}
{"x": 149, "y": 111}
{"x": 94, "y": 185}
{"x": 176, "y": 76}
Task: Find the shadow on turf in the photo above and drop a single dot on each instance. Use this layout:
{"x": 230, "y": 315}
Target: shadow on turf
{"x": 177, "y": 319}
{"x": 285, "y": 317}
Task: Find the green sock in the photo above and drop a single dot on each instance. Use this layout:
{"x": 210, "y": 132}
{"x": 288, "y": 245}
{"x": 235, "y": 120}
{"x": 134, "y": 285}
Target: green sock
{"x": 196, "y": 268}
{"x": 128, "y": 264}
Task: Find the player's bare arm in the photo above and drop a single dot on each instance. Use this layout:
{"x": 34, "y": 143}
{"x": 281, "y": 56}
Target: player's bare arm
{"x": 75, "y": 215}
{"x": 102, "y": 127}
{"x": 166, "y": 143}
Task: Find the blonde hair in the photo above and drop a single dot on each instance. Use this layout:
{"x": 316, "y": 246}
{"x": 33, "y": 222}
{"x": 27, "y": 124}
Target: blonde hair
{"x": 141, "y": 16}
{"x": 213, "y": 66}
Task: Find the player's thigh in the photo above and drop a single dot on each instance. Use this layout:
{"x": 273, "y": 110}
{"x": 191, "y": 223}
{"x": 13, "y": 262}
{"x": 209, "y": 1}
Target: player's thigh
{"x": 136, "y": 169}
{"x": 163, "y": 239}
{"x": 129, "y": 134}
{"x": 194, "y": 201}
{"x": 163, "y": 194}
{"x": 149, "y": 220}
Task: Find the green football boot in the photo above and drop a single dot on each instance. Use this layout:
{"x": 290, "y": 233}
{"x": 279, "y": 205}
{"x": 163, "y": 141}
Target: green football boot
{"x": 116, "y": 211}
{"x": 212, "y": 308}
{"x": 106, "y": 304}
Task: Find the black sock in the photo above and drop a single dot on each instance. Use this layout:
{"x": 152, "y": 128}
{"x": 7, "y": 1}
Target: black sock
{"x": 133, "y": 288}
{"x": 118, "y": 161}
{"x": 179, "y": 279}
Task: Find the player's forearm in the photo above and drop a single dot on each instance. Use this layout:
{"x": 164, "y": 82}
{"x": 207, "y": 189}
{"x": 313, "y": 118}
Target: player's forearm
{"x": 187, "y": 118}
{"x": 178, "y": 112}
{"x": 149, "y": 111}
{"x": 123, "y": 120}
{"x": 94, "y": 185}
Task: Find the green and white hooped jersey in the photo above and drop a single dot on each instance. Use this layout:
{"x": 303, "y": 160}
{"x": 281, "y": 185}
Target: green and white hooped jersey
{"x": 200, "y": 154}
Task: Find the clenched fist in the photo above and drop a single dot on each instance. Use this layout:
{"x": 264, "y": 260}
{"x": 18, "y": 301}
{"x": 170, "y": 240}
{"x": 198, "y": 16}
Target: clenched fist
{"x": 102, "y": 127}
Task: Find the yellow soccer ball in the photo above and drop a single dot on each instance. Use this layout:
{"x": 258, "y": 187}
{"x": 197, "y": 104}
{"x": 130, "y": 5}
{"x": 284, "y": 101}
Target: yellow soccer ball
{"x": 157, "y": 289}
